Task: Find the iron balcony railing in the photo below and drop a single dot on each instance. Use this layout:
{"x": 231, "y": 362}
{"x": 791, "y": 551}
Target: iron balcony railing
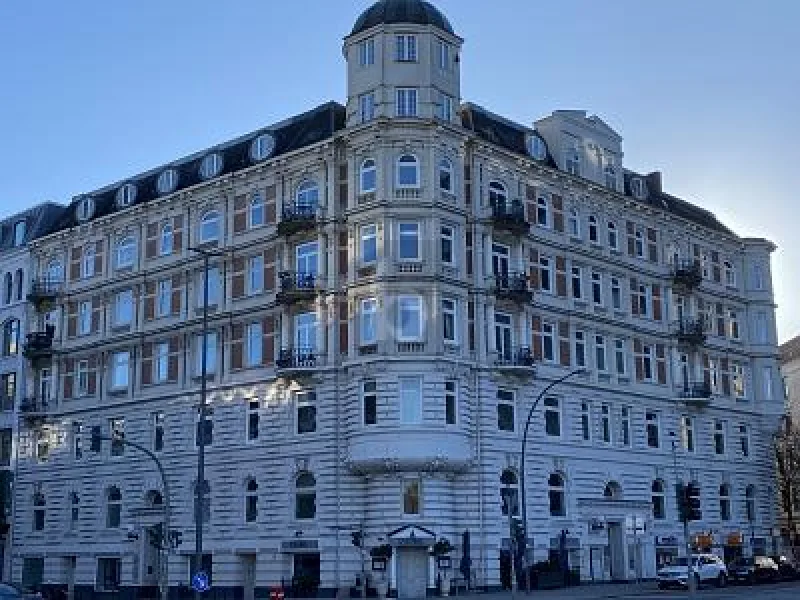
{"x": 690, "y": 330}
{"x": 687, "y": 273}
{"x": 297, "y": 217}
{"x": 45, "y": 289}
{"x": 515, "y": 357}
{"x": 510, "y": 215}
{"x": 296, "y": 358}
{"x": 696, "y": 390}
{"x": 513, "y": 286}
{"x": 295, "y": 287}
{"x": 39, "y": 344}
{"x": 31, "y": 407}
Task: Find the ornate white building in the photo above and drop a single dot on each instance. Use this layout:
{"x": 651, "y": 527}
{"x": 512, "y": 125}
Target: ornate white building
{"x": 397, "y": 279}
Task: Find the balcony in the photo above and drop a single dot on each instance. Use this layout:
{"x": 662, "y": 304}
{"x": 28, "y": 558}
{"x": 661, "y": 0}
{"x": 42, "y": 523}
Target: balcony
{"x": 296, "y": 218}
{"x": 34, "y": 410}
{"x": 296, "y": 362}
{"x": 44, "y": 293}
{"x": 690, "y": 330}
{"x": 515, "y": 359}
{"x": 512, "y": 286}
{"x": 509, "y": 216}
{"x": 296, "y": 287}
{"x": 687, "y": 274}
{"x": 696, "y": 393}
{"x": 39, "y": 344}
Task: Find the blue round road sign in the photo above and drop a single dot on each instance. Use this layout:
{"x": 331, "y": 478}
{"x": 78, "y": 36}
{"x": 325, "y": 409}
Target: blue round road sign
{"x": 200, "y": 582}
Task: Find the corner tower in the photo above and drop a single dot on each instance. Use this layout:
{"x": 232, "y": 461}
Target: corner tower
{"x": 403, "y": 60}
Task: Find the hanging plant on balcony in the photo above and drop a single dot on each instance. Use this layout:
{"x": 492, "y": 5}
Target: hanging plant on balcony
{"x": 442, "y": 547}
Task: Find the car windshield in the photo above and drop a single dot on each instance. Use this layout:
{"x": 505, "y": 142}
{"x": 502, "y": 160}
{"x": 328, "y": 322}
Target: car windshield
{"x": 679, "y": 562}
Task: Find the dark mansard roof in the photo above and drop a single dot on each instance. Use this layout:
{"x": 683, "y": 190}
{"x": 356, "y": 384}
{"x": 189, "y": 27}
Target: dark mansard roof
{"x": 414, "y": 12}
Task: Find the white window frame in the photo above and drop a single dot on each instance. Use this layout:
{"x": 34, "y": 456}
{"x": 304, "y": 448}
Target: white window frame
{"x": 606, "y": 424}
{"x": 616, "y": 293}
{"x": 507, "y": 398}
{"x": 404, "y": 230}
{"x": 256, "y": 212}
{"x": 597, "y": 288}
{"x": 553, "y": 405}
{"x": 366, "y": 52}
{"x": 410, "y": 397}
{"x": 620, "y": 350}
{"x": 369, "y": 321}
{"x": 730, "y": 274}
{"x": 444, "y": 107}
{"x": 210, "y": 219}
{"x": 368, "y": 176}
{"x": 546, "y": 268}
{"x": 368, "y": 236}
{"x": 768, "y": 383}
{"x": 366, "y": 107}
{"x": 625, "y": 426}
{"x": 594, "y": 233}
{"x": 613, "y": 235}
{"x": 407, "y": 102}
{"x": 576, "y": 282}
{"x": 738, "y": 381}
{"x": 211, "y": 343}
{"x": 161, "y": 362}
{"x": 638, "y": 243}
{"x": 82, "y": 378}
{"x": 214, "y": 286}
{"x": 548, "y": 333}
{"x": 85, "y": 318}
{"x": 443, "y": 54}
{"x": 734, "y": 326}
{"x": 166, "y": 240}
{"x": 720, "y": 428}
{"x": 405, "y": 47}
{"x": 125, "y": 255}
{"x": 579, "y": 341}
{"x": 573, "y": 223}
{"x": 446, "y": 167}
{"x": 448, "y": 234}
{"x": 688, "y": 435}
{"x": 450, "y": 312}
{"x": 656, "y": 421}
{"x": 403, "y": 163}
{"x": 572, "y": 161}
{"x": 307, "y": 258}
{"x": 451, "y": 397}
{"x": 543, "y": 209}
{"x": 123, "y": 308}
{"x": 600, "y": 352}
{"x": 406, "y": 303}
{"x": 255, "y": 274}
{"x": 163, "y": 298}
{"x": 254, "y": 352}
{"x": 87, "y": 261}
{"x": 120, "y": 370}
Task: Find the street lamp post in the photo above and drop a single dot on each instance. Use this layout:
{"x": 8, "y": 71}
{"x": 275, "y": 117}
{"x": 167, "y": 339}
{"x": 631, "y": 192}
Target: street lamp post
{"x": 524, "y": 543}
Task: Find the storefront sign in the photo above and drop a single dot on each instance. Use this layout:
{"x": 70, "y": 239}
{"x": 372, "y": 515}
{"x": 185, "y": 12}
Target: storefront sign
{"x": 299, "y": 545}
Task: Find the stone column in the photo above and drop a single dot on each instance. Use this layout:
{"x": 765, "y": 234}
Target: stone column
{"x": 431, "y": 569}
{"x": 392, "y": 583}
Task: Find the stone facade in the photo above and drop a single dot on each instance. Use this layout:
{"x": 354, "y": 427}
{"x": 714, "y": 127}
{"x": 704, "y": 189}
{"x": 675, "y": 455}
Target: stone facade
{"x": 394, "y": 283}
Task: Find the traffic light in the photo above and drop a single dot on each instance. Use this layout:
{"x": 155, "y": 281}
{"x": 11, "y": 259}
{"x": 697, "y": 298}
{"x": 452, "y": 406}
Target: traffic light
{"x": 693, "y": 512}
{"x": 357, "y": 538}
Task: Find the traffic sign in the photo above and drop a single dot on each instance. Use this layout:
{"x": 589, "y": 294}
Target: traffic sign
{"x": 200, "y": 582}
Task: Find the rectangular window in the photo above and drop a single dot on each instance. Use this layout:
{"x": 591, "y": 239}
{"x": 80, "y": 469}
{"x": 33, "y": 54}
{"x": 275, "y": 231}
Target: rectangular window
{"x": 737, "y": 378}
{"x": 406, "y": 105}
{"x": 161, "y": 362}
{"x": 306, "y": 411}
{"x": 369, "y": 330}
{"x": 733, "y": 325}
{"x": 82, "y": 377}
{"x": 406, "y": 48}
{"x": 84, "y": 318}
{"x": 597, "y": 289}
{"x": 411, "y": 497}
{"x": 647, "y": 362}
{"x": 210, "y": 353}
{"x": 444, "y": 107}
{"x": 744, "y": 441}
{"x": 254, "y": 344}
{"x": 643, "y": 299}
{"x": 545, "y": 274}
{"x": 120, "y": 370}
{"x": 410, "y": 400}
{"x": 719, "y": 437}
{"x": 366, "y": 52}
{"x": 255, "y": 275}
{"x": 653, "y": 436}
{"x": 580, "y": 349}
{"x": 409, "y": 241}
{"x": 410, "y": 315}
{"x": 548, "y": 342}
{"x": 505, "y": 410}
{"x": 552, "y": 416}
{"x": 605, "y": 423}
{"x": 616, "y": 294}
{"x": 443, "y": 55}
{"x": 305, "y": 331}
{"x": 577, "y": 280}
{"x": 625, "y": 426}
{"x": 307, "y": 258}
{"x": 164, "y": 298}
{"x": 214, "y": 287}
{"x": 586, "y": 422}
{"x": 600, "y": 353}
{"x": 450, "y": 402}
{"x": 123, "y": 308}
{"x": 620, "y": 356}
{"x": 158, "y": 419}
{"x": 109, "y": 574}
{"x": 117, "y": 429}
{"x": 370, "y": 395}
{"x": 369, "y": 244}
{"x": 767, "y": 376}
{"x": 96, "y": 444}
{"x": 366, "y": 107}
{"x": 253, "y": 420}
{"x": 448, "y": 240}
{"x": 449, "y": 321}
{"x": 687, "y": 433}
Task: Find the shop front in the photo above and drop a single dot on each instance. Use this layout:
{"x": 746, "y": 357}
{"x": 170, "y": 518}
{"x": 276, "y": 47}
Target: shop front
{"x": 668, "y": 548}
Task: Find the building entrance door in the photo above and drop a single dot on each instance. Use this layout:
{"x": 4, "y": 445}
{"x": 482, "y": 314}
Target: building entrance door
{"x": 412, "y": 572}
{"x": 616, "y": 550}
{"x": 305, "y": 579}
{"x": 249, "y": 576}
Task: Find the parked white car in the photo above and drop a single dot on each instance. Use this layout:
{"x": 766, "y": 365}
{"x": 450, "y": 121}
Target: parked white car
{"x": 706, "y": 568}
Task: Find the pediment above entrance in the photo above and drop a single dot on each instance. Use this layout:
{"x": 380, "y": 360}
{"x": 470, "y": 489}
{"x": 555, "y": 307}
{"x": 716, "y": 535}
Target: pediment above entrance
{"x": 411, "y": 535}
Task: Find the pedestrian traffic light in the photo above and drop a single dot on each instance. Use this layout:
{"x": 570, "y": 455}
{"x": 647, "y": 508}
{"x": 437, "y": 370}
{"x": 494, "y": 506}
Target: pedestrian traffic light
{"x": 693, "y": 512}
{"x": 357, "y": 538}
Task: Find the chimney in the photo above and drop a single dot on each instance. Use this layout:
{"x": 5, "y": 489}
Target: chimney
{"x": 654, "y": 182}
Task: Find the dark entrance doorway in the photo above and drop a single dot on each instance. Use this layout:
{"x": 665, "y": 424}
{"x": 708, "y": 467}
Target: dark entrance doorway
{"x": 305, "y": 578}
{"x": 505, "y": 569}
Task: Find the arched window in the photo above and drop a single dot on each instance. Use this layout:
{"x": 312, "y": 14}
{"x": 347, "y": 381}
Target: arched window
{"x": 55, "y": 271}
{"x": 74, "y": 509}
{"x": 251, "y": 501}
{"x": 725, "y": 502}
{"x": 497, "y": 194}
{"x": 39, "y": 504}
{"x": 153, "y": 499}
{"x": 407, "y": 171}
{"x": 613, "y": 240}
{"x": 509, "y": 492}
{"x": 256, "y": 214}
{"x": 307, "y": 195}
{"x": 446, "y": 176}
{"x": 750, "y": 503}
{"x": 113, "y": 507}
{"x": 18, "y": 283}
{"x": 573, "y": 223}
{"x": 659, "y": 500}
{"x": 555, "y": 486}
{"x": 369, "y": 176}
{"x": 166, "y": 240}
{"x": 126, "y": 252}
{"x": 611, "y": 177}
{"x": 8, "y": 288}
{"x": 542, "y": 212}
{"x": 305, "y": 503}
{"x": 593, "y": 235}
{"x": 11, "y": 337}
{"x": 612, "y": 491}
{"x": 87, "y": 261}
{"x": 209, "y": 227}
{"x": 211, "y": 165}
{"x": 730, "y": 274}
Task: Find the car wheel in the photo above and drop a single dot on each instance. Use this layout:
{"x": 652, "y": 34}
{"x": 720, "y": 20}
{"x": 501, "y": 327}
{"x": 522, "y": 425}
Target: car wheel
{"x": 721, "y": 580}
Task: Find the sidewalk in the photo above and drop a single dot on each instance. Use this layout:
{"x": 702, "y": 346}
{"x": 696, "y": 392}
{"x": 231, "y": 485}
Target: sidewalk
{"x": 596, "y": 591}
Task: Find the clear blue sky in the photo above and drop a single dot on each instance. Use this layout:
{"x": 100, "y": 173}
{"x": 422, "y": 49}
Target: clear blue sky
{"x": 708, "y": 91}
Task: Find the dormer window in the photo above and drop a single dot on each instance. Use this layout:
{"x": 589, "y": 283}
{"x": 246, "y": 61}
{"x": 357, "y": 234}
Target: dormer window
{"x": 167, "y": 181}
{"x": 262, "y": 147}
{"x": 209, "y": 227}
{"x": 611, "y": 177}
{"x": 126, "y": 195}
{"x": 406, "y": 48}
{"x": 537, "y": 148}
{"x": 638, "y": 188}
{"x": 408, "y": 171}
{"x": 211, "y": 166}
{"x": 573, "y": 162}
{"x": 85, "y": 209}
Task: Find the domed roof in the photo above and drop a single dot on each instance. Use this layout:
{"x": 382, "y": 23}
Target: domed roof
{"x": 416, "y": 12}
